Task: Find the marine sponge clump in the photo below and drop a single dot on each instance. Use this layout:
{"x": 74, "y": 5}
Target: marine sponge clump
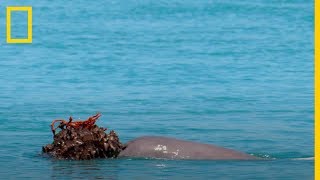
{"x": 83, "y": 144}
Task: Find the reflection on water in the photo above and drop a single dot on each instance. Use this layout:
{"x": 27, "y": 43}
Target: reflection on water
{"x": 92, "y": 168}
{"x": 159, "y": 169}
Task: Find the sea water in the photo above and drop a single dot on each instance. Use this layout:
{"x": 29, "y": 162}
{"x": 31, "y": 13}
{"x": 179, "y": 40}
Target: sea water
{"x": 238, "y": 74}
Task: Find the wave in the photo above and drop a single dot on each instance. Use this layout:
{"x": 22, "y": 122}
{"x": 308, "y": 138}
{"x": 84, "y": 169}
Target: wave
{"x": 303, "y": 159}
{"x": 283, "y": 156}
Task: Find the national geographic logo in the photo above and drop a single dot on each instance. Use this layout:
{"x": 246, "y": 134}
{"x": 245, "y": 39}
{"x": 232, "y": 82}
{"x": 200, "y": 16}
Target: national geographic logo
{"x": 28, "y": 39}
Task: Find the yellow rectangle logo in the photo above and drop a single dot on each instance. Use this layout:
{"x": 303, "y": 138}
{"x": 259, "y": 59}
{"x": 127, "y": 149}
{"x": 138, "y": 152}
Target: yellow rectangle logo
{"x": 317, "y": 88}
{"x": 28, "y": 9}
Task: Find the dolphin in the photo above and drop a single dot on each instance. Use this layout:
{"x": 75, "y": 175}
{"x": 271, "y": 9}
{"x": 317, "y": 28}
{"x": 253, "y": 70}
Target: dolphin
{"x": 171, "y": 148}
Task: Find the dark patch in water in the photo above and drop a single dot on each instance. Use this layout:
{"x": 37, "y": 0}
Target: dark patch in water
{"x": 84, "y": 144}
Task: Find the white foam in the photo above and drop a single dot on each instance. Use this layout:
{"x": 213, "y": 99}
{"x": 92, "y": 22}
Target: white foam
{"x": 301, "y": 159}
{"x": 161, "y": 148}
{"x": 161, "y": 165}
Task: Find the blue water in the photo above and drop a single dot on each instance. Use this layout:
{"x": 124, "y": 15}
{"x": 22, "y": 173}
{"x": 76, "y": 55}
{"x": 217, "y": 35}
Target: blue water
{"x": 238, "y": 74}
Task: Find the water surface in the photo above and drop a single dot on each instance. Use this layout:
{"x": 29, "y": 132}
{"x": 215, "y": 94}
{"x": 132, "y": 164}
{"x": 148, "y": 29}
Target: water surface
{"x": 235, "y": 74}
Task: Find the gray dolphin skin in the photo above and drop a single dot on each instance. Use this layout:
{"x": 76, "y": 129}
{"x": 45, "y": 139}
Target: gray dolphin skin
{"x": 171, "y": 148}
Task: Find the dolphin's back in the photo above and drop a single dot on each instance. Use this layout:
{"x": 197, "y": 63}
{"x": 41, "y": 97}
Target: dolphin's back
{"x": 170, "y": 148}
